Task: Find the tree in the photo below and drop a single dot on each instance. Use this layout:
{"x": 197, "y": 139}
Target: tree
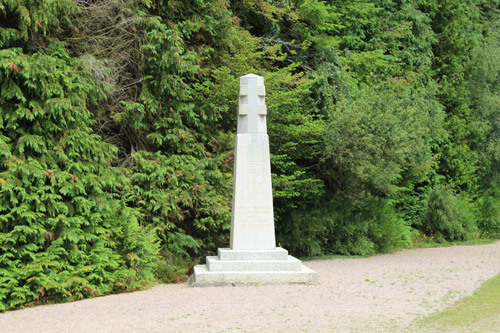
{"x": 65, "y": 230}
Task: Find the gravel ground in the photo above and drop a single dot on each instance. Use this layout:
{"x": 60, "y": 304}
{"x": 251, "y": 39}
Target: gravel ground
{"x": 384, "y": 293}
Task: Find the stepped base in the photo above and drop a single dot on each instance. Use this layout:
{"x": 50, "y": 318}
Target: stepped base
{"x": 251, "y": 267}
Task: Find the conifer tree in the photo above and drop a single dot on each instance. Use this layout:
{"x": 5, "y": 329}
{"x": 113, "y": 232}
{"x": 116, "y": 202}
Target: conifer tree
{"x": 65, "y": 231}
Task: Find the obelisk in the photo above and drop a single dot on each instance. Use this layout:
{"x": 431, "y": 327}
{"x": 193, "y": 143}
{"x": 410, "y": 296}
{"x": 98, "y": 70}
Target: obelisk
{"x": 252, "y": 220}
{"x": 253, "y": 256}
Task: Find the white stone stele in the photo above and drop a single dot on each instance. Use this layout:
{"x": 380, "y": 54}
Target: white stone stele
{"x": 253, "y": 257}
{"x": 252, "y": 217}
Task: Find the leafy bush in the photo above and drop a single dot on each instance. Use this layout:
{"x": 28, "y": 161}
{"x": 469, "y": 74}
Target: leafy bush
{"x": 379, "y": 139}
{"x": 338, "y": 227}
{"x": 178, "y": 195}
{"x": 449, "y": 217}
{"x": 489, "y": 211}
{"x": 172, "y": 267}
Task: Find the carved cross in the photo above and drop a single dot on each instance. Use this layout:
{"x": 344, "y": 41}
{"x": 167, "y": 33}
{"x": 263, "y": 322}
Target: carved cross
{"x": 252, "y": 105}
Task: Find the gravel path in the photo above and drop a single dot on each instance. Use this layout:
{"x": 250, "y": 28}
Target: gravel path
{"x": 384, "y": 293}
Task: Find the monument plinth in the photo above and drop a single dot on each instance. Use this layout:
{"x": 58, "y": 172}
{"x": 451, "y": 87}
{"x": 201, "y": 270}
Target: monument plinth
{"x": 253, "y": 256}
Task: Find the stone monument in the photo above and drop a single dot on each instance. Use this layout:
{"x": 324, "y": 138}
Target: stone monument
{"x": 253, "y": 256}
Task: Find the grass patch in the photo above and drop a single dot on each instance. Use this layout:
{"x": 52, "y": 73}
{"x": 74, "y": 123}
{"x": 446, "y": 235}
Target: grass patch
{"x": 477, "y": 313}
{"x": 420, "y": 240}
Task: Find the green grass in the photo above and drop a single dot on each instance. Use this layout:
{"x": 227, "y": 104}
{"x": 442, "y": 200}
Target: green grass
{"x": 477, "y": 313}
{"x": 431, "y": 244}
{"x": 419, "y": 240}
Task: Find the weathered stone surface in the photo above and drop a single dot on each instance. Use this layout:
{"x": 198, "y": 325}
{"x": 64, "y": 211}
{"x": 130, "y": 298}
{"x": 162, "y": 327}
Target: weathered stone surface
{"x": 204, "y": 278}
{"x": 253, "y": 256}
{"x": 252, "y": 219}
{"x": 252, "y": 108}
{"x": 290, "y": 264}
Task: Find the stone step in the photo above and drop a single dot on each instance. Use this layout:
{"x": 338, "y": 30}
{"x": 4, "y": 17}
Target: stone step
{"x": 214, "y": 264}
{"x": 254, "y": 255}
{"x": 202, "y": 277}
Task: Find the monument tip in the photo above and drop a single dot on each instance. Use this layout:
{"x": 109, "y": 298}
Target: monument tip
{"x": 251, "y": 75}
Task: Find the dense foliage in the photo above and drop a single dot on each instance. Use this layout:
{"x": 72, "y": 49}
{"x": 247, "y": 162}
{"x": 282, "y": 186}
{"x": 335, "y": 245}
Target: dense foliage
{"x": 117, "y": 121}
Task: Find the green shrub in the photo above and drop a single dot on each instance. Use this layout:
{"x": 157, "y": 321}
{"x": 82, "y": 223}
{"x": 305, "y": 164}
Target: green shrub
{"x": 172, "y": 267}
{"x": 180, "y": 196}
{"x": 304, "y": 233}
{"x": 449, "y": 217}
{"x": 379, "y": 140}
{"x": 489, "y": 210}
{"x": 388, "y": 231}
{"x": 338, "y": 227}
